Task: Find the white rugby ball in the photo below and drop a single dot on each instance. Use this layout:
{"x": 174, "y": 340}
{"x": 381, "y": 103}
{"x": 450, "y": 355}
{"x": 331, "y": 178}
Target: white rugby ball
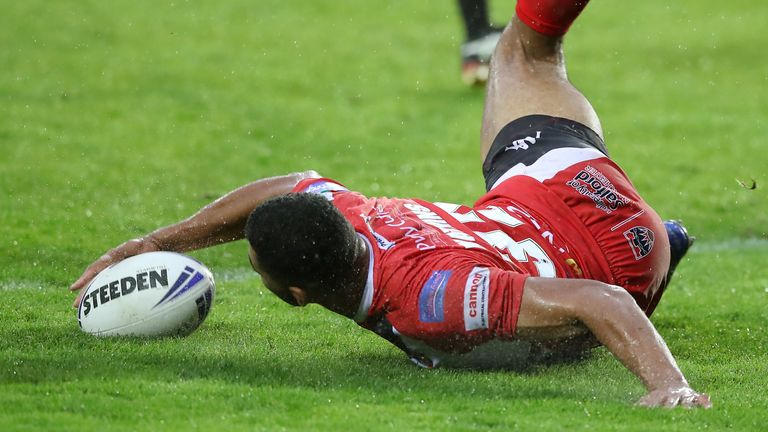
{"x": 152, "y": 294}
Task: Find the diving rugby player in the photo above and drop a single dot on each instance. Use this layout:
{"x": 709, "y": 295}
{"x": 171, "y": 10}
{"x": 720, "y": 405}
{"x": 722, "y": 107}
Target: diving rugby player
{"x": 560, "y": 250}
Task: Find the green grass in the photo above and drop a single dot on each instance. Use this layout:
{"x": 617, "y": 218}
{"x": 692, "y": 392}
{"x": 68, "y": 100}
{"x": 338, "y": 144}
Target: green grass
{"x": 118, "y": 117}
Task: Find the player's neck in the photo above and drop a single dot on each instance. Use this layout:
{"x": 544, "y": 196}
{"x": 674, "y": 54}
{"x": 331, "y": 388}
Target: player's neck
{"x": 346, "y": 300}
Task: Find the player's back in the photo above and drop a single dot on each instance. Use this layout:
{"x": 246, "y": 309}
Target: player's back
{"x": 448, "y": 277}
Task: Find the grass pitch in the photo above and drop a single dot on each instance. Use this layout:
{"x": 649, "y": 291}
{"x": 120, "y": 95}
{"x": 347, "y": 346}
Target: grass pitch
{"x": 118, "y": 117}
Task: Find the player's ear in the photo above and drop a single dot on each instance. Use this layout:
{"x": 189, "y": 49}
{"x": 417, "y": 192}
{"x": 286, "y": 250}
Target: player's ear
{"x": 299, "y": 294}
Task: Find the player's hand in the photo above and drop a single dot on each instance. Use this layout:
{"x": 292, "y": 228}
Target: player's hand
{"x": 125, "y": 250}
{"x": 684, "y": 397}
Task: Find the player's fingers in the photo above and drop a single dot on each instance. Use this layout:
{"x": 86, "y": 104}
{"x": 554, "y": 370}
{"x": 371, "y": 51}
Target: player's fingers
{"x": 82, "y": 280}
{"x": 671, "y": 400}
{"x": 131, "y": 247}
{"x": 705, "y": 401}
{"x": 699, "y": 400}
{"x": 692, "y": 399}
{"x": 88, "y": 275}
{"x": 648, "y": 401}
{"x": 688, "y": 400}
{"x": 125, "y": 250}
{"x": 76, "y": 303}
{"x": 92, "y": 271}
{"x": 659, "y": 399}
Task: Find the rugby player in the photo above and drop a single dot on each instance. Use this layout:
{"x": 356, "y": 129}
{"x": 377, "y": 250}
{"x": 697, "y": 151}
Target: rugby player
{"x": 560, "y": 254}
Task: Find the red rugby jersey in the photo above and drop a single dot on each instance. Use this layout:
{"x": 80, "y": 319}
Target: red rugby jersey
{"x": 447, "y": 278}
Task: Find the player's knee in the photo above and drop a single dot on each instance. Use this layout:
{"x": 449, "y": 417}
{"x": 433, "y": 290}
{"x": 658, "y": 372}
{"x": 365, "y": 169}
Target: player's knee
{"x": 617, "y": 298}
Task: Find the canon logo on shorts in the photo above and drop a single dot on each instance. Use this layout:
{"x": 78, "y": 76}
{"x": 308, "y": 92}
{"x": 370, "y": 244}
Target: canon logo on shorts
{"x": 476, "y": 299}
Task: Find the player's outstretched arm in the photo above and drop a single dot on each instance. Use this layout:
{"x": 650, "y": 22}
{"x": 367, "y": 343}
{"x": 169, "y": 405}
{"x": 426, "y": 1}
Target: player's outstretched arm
{"x": 614, "y": 318}
{"x": 219, "y": 222}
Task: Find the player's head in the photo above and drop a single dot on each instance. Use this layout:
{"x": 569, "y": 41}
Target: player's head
{"x": 301, "y": 240}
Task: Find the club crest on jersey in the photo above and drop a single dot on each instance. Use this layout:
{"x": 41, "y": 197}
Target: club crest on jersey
{"x": 640, "y": 240}
{"x": 431, "y": 297}
{"x": 382, "y": 242}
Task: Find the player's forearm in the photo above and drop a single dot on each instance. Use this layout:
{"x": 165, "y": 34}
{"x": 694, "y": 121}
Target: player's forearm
{"x": 224, "y": 219}
{"x": 614, "y": 318}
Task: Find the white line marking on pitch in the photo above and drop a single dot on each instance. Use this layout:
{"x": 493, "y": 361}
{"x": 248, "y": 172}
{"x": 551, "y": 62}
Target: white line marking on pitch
{"x": 729, "y": 245}
{"x": 243, "y": 273}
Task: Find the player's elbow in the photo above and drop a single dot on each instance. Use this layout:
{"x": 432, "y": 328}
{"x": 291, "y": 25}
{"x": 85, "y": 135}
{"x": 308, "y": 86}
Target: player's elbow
{"x": 602, "y": 300}
{"x": 613, "y": 293}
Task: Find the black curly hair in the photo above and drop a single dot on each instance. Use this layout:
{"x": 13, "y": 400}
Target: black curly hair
{"x": 302, "y": 240}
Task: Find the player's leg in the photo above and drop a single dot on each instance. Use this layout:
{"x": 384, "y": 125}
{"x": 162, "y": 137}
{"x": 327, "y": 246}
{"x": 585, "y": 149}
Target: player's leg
{"x": 528, "y": 74}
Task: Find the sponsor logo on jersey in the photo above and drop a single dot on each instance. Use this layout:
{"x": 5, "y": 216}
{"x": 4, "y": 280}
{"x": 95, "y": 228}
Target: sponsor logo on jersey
{"x": 389, "y": 224}
{"x": 476, "y": 299}
{"x": 123, "y": 287}
{"x": 382, "y": 242}
{"x": 591, "y": 183}
{"x": 523, "y": 143}
{"x": 431, "y": 298}
{"x": 640, "y": 240}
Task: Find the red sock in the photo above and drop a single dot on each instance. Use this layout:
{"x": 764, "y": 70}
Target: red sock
{"x": 549, "y": 17}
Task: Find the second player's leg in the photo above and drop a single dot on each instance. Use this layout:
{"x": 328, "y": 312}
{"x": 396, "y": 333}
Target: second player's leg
{"x": 528, "y": 76}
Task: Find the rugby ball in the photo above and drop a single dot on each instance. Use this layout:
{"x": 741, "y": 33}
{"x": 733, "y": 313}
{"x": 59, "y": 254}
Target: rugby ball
{"x": 151, "y": 294}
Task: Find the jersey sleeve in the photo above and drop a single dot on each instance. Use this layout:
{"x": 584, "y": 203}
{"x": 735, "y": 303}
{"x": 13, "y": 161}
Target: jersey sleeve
{"x": 458, "y": 303}
{"x": 322, "y": 186}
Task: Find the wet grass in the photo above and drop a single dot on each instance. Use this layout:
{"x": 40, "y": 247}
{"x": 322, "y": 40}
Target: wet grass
{"x": 118, "y": 117}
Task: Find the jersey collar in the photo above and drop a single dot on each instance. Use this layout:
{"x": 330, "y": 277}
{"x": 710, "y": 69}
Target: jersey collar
{"x": 367, "y": 300}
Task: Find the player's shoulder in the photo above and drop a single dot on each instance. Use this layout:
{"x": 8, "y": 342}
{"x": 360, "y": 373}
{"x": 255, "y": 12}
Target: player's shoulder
{"x": 321, "y": 186}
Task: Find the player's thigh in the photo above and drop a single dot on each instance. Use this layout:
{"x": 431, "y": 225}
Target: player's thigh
{"x": 528, "y": 76}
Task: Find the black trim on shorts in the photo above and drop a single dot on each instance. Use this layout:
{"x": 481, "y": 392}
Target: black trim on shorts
{"x": 525, "y": 140}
